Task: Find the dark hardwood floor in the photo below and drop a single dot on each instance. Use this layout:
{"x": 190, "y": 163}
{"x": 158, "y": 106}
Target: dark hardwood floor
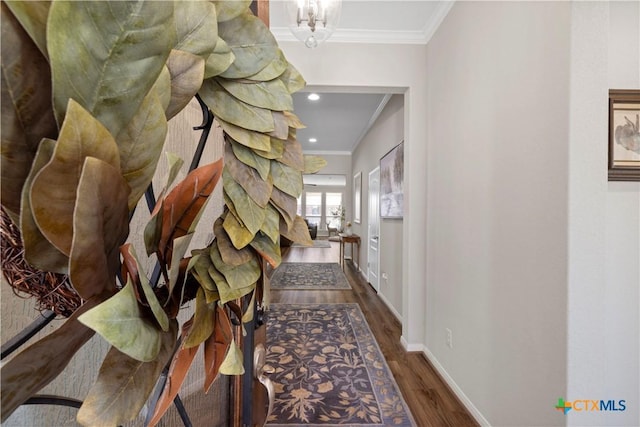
{"x": 431, "y": 401}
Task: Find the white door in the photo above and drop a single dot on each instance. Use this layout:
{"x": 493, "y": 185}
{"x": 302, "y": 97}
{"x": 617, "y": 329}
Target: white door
{"x": 373, "y": 268}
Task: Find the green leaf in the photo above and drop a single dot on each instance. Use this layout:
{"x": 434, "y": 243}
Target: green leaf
{"x": 180, "y": 246}
{"x": 299, "y": 233}
{"x": 249, "y": 157}
{"x": 234, "y": 111}
{"x": 226, "y": 292}
{"x": 203, "y": 321}
{"x": 280, "y": 125}
{"x": 237, "y": 232}
{"x": 313, "y": 164}
{"x": 122, "y": 323}
{"x": 251, "y": 214}
{"x": 53, "y": 192}
{"x": 232, "y": 364}
{"x": 152, "y": 300}
{"x": 267, "y": 249}
{"x": 201, "y": 270}
{"x": 275, "y": 152}
{"x": 248, "y": 178}
{"x": 237, "y": 276}
{"x": 100, "y": 225}
{"x": 271, "y": 224}
{"x": 293, "y": 121}
{"x": 42, "y": 362}
{"x": 273, "y": 70}
{"x": 32, "y": 16}
{"x": 248, "y": 138}
{"x": 287, "y": 205}
{"x": 187, "y": 73}
{"x": 272, "y": 95}
{"x": 27, "y": 115}
{"x": 251, "y": 42}
{"x": 196, "y": 27}
{"x": 293, "y": 79}
{"x": 230, "y": 255}
{"x": 219, "y": 60}
{"x": 124, "y": 384}
{"x": 107, "y": 55}
{"x": 229, "y": 9}
{"x": 140, "y": 144}
{"x": 287, "y": 179}
{"x": 38, "y": 251}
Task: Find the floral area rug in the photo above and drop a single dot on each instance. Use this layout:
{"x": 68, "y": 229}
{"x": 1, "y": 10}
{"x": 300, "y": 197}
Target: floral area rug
{"x": 316, "y": 244}
{"x": 309, "y": 275}
{"x": 329, "y": 369}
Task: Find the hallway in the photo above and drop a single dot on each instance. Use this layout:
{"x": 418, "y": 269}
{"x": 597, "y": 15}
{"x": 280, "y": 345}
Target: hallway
{"x": 430, "y": 400}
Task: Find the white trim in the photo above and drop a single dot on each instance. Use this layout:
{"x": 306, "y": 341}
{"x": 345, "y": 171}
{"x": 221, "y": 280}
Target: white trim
{"x": 432, "y": 24}
{"x": 475, "y": 413}
{"x": 334, "y": 153}
{"x": 391, "y": 307}
{"x": 410, "y": 347}
{"x": 383, "y": 102}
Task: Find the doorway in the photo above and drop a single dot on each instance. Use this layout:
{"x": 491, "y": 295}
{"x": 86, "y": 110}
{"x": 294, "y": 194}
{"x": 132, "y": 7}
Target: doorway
{"x": 373, "y": 237}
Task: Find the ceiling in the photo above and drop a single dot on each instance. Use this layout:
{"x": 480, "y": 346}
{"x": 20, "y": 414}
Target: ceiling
{"x": 340, "y": 120}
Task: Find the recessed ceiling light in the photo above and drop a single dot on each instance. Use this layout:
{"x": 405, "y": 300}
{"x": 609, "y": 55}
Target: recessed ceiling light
{"x": 313, "y": 97}
{"x": 313, "y": 140}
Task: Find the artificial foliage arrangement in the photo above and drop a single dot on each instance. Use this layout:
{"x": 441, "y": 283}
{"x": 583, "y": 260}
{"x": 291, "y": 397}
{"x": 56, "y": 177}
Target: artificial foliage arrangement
{"x": 87, "y": 90}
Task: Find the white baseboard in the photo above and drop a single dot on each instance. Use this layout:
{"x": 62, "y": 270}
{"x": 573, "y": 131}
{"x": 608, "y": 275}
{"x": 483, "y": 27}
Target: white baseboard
{"x": 410, "y": 347}
{"x": 390, "y": 307}
{"x": 475, "y": 413}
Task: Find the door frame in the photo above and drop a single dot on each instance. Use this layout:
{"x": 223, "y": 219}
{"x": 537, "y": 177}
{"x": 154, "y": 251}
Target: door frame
{"x": 375, "y": 286}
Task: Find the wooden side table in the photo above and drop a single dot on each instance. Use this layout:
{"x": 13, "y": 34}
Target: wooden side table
{"x": 353, "y": 238}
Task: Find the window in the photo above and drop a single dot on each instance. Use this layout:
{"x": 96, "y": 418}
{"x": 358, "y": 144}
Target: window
{"x": 318, "y": 207}
{"x": 333, "y": 202}
{"x": 313, "y": 208}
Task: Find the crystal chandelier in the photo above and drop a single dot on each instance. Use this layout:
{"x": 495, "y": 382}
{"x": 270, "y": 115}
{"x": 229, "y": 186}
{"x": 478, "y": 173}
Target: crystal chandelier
{"x": 313, "y": 21}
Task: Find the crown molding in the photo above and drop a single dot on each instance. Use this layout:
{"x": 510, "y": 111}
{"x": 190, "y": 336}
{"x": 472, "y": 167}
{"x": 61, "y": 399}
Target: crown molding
{"x": 327, "y": 152}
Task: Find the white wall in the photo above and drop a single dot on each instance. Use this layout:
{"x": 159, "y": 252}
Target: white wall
{"x": 386, "y": 133}
{"x": 498, "y": 107}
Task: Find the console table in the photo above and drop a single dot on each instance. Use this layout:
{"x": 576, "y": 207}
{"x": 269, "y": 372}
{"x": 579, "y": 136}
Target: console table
{"x": 353, "y": 238}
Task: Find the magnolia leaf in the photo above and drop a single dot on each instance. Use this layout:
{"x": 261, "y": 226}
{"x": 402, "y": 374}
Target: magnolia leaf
{"x": 248, "y": 138}
{"x": 122, "y": 323}
{"x": 230, "y": 255}
{"x": 183, "y": 204}
{"x": 247, "y": 316}
{"x": 272, "y": 95}
{"x": 196, "y": 27}
{"x": 237, "y": 276}
{"x": 226, "y": 292}
{"x": 234, "y": 111}
{"x": 313, "y": 164}
{"x": 119, "y": 49}
{"x": 271, "y": 225}
{"x": 299, "y": 233}
{"x": 38, "y": 251}
{"x": 100, "y": 225}
{"x": 53, "y": 192}
{"x": 203, "y": 322}
{"x": 140, "y": 143}
{"x": 275, "y": 152}
{"x": 27, "y": 116}
{"x": 187, "y": 73}
{"x": 42, "y": 362}
{"x": 253, "y": 45}
{"x": 124, "y": 384}
{"x": 180, "y": 246}
{"x": 232, "y": 364}
{"x": 280, "y": 125}
{"x": 272, "y": 71}
{"x": 217, "y": 62}
{"x": 248, "y": 178}
{"x": 287, "y": 179}
{"x": 293, "y": 79}
{"x": 180, "y": 364}
{"x": 229, "y": 9}
{"x": 216, "y": 347}
{"x": 201, "y": 270}
{"x": 251, "y": 214}
{"x": 152, "y": 300}
{"x": 162, "y": 87}
{"x": 237, "y": 232}
{"x": 292, "y": 155}
{"x": 293, "y": 121}
{"x": 250, "y": 158}
{"x": 286, "y": 204}
{"x": 230, "y": 206}
{"x": 267, "y": 249}
{"x": 32, "y": 16}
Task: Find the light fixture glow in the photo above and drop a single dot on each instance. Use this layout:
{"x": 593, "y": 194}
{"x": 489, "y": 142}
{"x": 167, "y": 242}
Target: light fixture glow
{"x": 313, "y": 21}
{"x": 313, "y": 140}
{"x": 313, "y": 97}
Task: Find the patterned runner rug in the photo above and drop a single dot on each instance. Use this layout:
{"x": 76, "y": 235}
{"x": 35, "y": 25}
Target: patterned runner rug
{"x": 329, "y": 369}
{"x": 309, "y": 275}
{"x": 316, "y": 244}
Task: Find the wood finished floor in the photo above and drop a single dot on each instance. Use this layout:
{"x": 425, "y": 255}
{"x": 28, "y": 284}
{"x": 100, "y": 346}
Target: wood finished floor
{"x": 430, "y": 400}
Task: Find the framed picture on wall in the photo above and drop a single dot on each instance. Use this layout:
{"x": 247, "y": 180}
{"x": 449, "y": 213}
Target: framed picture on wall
{"x": 624, "y": 135}
{"x": 391, "y": 183}
{"x": 357, "y": 197}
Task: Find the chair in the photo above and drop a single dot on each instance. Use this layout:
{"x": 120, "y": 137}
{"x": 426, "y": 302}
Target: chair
{"x": 313, "y": 229}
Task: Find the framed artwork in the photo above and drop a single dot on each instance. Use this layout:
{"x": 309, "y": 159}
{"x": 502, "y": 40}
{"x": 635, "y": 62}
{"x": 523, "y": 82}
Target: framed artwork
{"x": 624, "y": 135}
{"x": 391, "y": 183}
{"x": 357, "y": 197}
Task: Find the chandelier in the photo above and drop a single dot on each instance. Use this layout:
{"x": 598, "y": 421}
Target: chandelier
{"x": 313, "y": 21}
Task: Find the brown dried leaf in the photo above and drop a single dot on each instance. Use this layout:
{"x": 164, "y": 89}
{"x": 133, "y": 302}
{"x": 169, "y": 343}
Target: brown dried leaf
{"x": 230, "y": 255}
{"x": 248, "y": 178}
{"x": 267, "y": 249}
{"x": 216, "y": 347}
{"x": 299, "y": 233}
